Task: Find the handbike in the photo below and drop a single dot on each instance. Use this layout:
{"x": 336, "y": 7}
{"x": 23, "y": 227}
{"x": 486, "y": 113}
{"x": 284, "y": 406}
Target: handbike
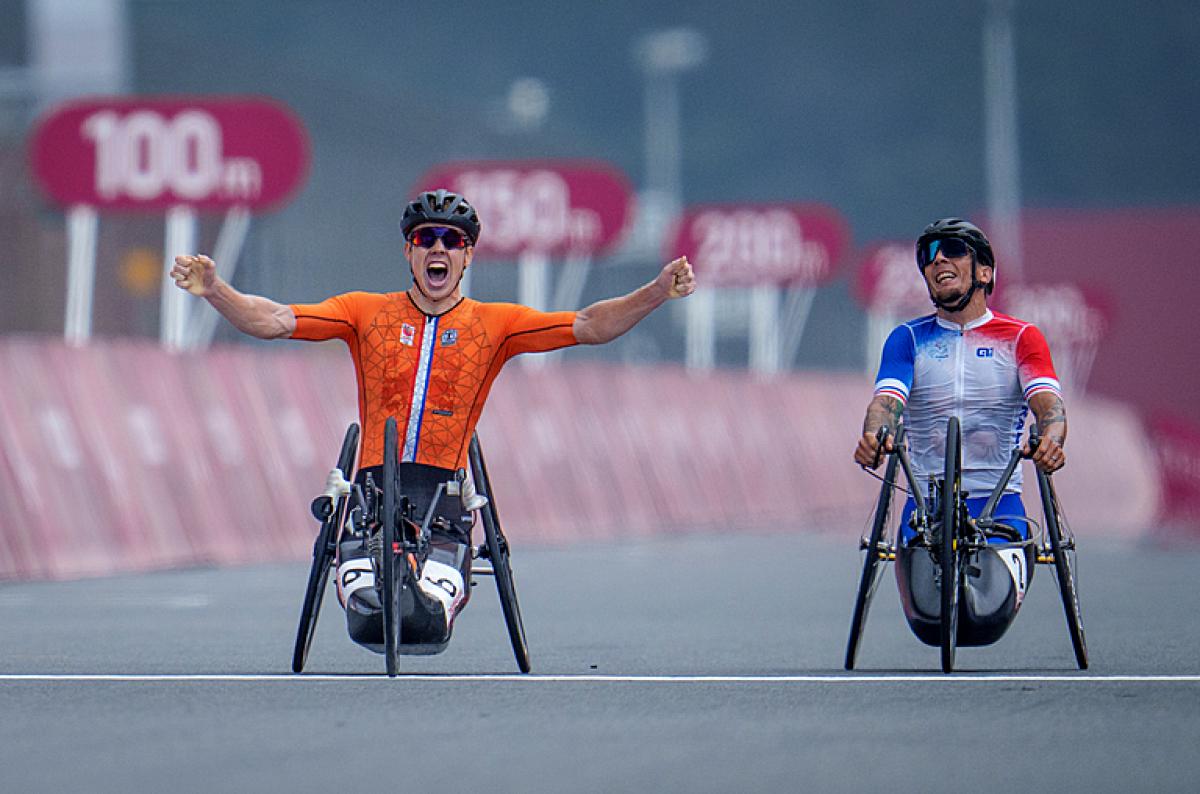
{"x": 954, "y": 542}
{"x": 387, "y": 517}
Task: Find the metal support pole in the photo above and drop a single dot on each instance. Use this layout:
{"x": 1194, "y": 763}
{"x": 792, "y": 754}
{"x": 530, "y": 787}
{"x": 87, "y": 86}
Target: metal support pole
{"x": 533, "y": 277}
{"x": 1002, "y": 146}
{"x": 173, "y": 306}
{"x": 701, "y": 336}
{"x": 82, "y": 226}
{"x": 764, "y": 329}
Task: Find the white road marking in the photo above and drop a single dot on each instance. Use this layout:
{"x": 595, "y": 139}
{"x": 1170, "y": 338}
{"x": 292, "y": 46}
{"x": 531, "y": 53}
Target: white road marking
{"x": 1069, "y": 678}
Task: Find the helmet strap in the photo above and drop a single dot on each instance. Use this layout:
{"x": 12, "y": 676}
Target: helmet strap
{"x": 957, "y": 306}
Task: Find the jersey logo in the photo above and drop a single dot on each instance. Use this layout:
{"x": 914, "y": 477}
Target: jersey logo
{"x": 940, "y": 350}
{"x": 407, "y": 334}
{"x": 984, "y": 352}
{"x": 449, "y": 337}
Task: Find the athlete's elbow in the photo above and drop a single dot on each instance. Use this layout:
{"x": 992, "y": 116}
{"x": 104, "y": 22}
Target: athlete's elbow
{"x": 587, "y": 333}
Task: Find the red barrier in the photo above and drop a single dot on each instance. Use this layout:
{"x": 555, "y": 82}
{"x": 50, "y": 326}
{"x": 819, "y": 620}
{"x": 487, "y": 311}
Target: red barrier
{"x": 123, "y": 457}
{"x": 1176, "y": 444}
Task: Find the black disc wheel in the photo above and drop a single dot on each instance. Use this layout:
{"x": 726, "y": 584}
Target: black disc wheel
{"x": 332, "y": 515}
{"x": 1063, "y": 549}
{"x": 876, "y": 551}
{"x": 497, "y": 551}
{"x": 950, "y": 551}
{"x": 389, "y": 571}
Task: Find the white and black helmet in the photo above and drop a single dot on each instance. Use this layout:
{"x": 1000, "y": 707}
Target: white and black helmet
{"x": 442, "y": 207}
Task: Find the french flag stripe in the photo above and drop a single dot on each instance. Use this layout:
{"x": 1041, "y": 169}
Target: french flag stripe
{"x": 892, "y": 388}
{"x": 1038, "y": 385}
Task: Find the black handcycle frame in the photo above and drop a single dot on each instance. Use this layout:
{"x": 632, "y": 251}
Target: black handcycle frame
{"x": 384, "y": 506}
{"x": 946, "y": 507}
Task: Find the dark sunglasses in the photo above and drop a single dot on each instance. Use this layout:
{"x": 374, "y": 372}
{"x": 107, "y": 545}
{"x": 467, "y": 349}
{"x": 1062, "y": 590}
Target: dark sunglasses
{"x": 428, "y": 237}
{"x": 950, "y": 247}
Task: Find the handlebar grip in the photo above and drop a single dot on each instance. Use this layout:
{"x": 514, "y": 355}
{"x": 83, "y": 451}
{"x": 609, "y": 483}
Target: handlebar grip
{"x": 321, "y": 507}
{"x": 1034, "y": 439}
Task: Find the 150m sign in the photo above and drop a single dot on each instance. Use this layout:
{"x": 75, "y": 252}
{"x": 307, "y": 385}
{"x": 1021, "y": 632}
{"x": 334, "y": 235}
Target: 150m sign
{"x": 150, "y": 153}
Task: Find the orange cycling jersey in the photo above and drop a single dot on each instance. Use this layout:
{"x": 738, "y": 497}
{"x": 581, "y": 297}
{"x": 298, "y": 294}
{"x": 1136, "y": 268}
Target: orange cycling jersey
{"x": 432, "y": 373}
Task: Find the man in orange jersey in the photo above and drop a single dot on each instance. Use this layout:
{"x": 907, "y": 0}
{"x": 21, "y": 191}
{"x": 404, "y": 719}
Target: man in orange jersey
{"x": 426, "y": 356}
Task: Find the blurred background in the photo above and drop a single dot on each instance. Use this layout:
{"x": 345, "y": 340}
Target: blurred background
{"x": 1068, "y": 133}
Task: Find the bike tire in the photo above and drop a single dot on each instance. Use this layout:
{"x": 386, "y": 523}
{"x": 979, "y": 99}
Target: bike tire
{"x": 323, "y": 553}
{"x": 950, "y": 552}
{"x": 869, "y": 580}
{"x": 498, "y": 552}
{"x": 1064, "y": 569}
{"x": 387, "y": 564}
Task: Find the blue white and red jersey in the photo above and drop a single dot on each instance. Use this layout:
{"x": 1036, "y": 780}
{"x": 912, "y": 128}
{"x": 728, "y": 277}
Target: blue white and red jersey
{"x": 984, "y": 373}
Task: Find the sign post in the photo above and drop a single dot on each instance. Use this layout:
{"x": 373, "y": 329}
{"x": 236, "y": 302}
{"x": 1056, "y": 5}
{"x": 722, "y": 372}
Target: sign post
{"x": 776, "y": 255}
{"x": 172, "y": 155}
{"x": 81, "y": 273}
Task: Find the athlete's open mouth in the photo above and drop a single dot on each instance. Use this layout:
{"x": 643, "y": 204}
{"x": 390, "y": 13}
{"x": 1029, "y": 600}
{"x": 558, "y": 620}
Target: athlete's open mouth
{"x": 437, "y": 274}
{"x": 945, "y": 275}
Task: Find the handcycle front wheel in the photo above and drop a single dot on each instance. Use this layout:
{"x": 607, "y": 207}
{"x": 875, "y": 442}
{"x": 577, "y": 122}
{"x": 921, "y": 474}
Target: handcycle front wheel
{"x": 323, "y": 552}
{"x": 869, "y": 580}
{"x": 1064, "y": 568}
{"x": 393, "y": 580}
{"x": 951, "y": 551}
{"x": 496, "y": 546}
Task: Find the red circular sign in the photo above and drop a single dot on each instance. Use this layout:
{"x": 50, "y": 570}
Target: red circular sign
{"x": 151, "y": 153}
{"x": 889, "y": 282}
{"x": 547, "y": 207}
{"x": 739, "y": 245}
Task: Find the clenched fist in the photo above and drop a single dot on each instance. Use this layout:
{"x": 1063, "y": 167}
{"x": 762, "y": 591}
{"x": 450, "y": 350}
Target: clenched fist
{"x": 677, "y": 278}
{"x": 196, "y": 274}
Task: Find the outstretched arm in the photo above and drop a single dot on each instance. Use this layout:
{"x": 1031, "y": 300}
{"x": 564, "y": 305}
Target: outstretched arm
{"x": 250, "y": 314}
{"x": 606, "y": 320}
{"x": 1051, "y": 416}
{"x": 883, "y": 410}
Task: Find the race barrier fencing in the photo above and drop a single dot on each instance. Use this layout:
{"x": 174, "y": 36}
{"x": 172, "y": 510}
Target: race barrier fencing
{"x": 122, "y": 457}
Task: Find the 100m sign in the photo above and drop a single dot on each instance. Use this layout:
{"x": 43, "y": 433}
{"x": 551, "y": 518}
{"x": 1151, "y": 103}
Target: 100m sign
{"x": 148, "y": 153}
{"x": 143, "y": 154}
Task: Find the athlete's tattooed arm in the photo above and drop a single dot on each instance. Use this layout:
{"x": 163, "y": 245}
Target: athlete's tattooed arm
{"x": 1051, "y": 416}
{"x": 884, "y": 411}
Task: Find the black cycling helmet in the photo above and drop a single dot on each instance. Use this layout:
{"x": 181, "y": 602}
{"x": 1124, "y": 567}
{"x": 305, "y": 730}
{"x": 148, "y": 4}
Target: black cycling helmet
{"x": 444, "y": 207}
{"x": 973, "y": 236}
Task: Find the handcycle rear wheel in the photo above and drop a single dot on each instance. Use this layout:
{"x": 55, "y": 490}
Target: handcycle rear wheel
{"x": 323, "y": 552}
{"x": 393, "y": 580}
{"x": 951, "y": 551}
{"x": 870, "y": 570}
{"x": 496, "y": 546}
{"x": 1064, "y": 568}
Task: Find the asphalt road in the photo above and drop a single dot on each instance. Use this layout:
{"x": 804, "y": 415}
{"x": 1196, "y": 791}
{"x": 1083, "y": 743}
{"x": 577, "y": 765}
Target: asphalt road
{"x": 684, "y": 664}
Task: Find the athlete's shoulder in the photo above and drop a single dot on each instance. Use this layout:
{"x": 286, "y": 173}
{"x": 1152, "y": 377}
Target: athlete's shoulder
{"x": 1005, "y": 326}
{"x": 917, "y": 328}
{"x": 1002, "y": 319}
{"x": 363, "y": 298}
{"x": 924, "y": 321}
{"x": 493, "y": 307}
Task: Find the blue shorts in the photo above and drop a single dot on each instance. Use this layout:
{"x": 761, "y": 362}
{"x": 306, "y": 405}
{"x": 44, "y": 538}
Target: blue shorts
{"x": 1009, "y": 511}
